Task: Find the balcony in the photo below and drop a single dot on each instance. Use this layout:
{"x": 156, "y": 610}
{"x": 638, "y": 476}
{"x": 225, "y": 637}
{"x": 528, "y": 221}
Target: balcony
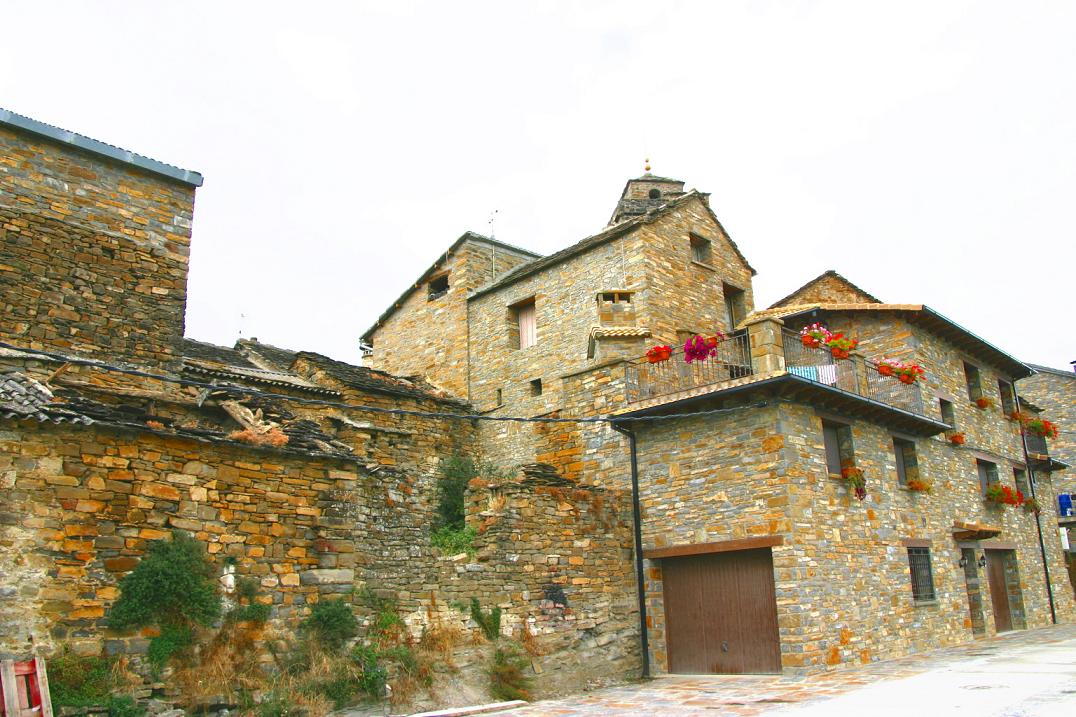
{"x": 1038, "y": 454}
{"x": 855, "y": 375}
{"x": 730, "y": 360}
{"x": 773, "y": 361}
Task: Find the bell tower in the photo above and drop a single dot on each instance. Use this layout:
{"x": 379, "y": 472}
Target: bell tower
{"x": 645, "y": 193}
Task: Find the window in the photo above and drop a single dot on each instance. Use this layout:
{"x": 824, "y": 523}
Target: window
{"x": 735, "y": 304}
{"x": 615, "y": 297}
{"x": 523, "y": 329}
{"x": 838, "y": 441}
{"x": 988, "y": 474}
{"x": 907, "y": 464}
{"x": 700, "y": 249}
{"x": 947, "y": 413}
{"x": 1019, "y": 476}
{"x": 922, "y": 578}
{"x": 536, "y": 387}
{"x": 974, "y": 383}
{"x": 1005, "y": 391}
{"x": 437, "y": 287}
{"x": 654, "y": 194}
{"x": 500, "y": 397}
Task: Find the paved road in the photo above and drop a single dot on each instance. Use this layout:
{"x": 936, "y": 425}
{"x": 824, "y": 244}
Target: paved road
{"x": 1022, "y": 674}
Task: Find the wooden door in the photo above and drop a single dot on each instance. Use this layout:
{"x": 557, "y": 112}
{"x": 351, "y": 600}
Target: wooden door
{"x": 999, "y": 589}
{"x": 721, "y": 613}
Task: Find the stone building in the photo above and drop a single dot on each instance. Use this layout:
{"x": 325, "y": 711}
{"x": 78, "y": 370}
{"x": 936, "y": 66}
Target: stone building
{"x": 305, "y": 471}
{"x": 750, "y": 493}
{"x": 291, "y": 467}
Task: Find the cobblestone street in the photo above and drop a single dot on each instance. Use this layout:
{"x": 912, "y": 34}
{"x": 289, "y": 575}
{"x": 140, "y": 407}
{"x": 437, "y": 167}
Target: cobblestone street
{"x": 1029, "y": 673}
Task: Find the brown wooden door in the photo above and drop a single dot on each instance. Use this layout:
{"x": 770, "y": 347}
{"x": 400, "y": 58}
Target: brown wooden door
{"x": 999, "y": 589}
{"x": 721, "y": 613}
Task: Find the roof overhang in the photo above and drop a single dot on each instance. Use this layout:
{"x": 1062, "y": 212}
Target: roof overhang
{"x": 797, "y": 389}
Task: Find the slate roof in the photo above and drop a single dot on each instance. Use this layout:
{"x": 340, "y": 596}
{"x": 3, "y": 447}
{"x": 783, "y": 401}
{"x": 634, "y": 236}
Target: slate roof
{"x": 368, "y": 379}
{"x": 920, "y": 315}
{"x": 266, "y": 355}
{"x": 466, "y": 236}
{"x": 600, "y": 238}
{"x": 210, "y": 361}
{"x": 21, "y": 397}
{"x": 1051, "y": 370}
{"x": 832, "y": 274}
{"x": 103, "y": 149}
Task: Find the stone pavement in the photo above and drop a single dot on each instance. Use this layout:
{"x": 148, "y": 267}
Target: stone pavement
{"x": 1025, "y": 673}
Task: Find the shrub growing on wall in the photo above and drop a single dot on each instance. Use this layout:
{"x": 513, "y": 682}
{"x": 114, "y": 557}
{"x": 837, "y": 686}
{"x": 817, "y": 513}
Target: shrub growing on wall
{"x": 173, "y": 587}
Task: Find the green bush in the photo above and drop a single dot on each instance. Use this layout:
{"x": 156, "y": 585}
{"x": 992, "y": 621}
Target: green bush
{"x": 174, "y": 584}
{"x": 456, "y": 473}
{"x": 276, "y": 704}
{"x": 452, "y": 541}
{"x": 124, "y": 706}
{"x": 489, "y": 622}
{"x": 78, "y": 681}
{"x": 173, "y": 638}
{"x": 507, "y": 680}
{"x": 374, "y": 676}
{"x": 331, "y": 623}
{"x": 255, "y": 612}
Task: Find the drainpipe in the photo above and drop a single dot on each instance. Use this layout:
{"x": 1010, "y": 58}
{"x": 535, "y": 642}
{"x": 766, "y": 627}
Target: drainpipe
{"x": 1038, "y": 521}
{"x": 637, "y": 524}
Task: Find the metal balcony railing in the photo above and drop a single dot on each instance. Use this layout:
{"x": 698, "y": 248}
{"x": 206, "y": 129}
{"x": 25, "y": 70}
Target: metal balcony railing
{"x": 854, "y": 375}
{"x": 731, "y": 359}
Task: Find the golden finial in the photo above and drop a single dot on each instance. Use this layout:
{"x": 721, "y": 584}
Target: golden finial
{"x": 647, "y": 166}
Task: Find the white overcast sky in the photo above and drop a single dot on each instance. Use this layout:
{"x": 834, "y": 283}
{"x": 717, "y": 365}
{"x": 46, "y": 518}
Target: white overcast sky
{"x": 927, "y": 151}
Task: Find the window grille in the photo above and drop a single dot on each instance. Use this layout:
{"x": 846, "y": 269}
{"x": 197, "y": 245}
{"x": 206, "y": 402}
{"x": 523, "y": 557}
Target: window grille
{"x": 922, "y": 578}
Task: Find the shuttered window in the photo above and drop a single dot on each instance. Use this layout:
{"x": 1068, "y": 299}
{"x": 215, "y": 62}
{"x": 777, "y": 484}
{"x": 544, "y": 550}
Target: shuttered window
{"x": 528, "y": 325}
{"x": 922, "y": 578}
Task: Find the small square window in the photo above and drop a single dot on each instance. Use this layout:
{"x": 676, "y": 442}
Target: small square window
{"x": 536, "y": 387}
{"x": 437, "y": 287}
{"x": 947, "y": 413}
{"x": 988, "y": 474}
{"x": 907, "y": 464}
{"x": 615, "y": 297}
{"x": 922, "y": 577}
{"x": 700, "y": 249}
{"x": 500, "y": 397}
{"x": 973, "y": 381}
{"x": 837, "y": 438}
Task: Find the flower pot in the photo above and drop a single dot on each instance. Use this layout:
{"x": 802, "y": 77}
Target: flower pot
{"x": 906, "y": 378}
{"x": 839, "y": 353}
{"x": 957, "y": 439}
{"x": 885, "y": 369}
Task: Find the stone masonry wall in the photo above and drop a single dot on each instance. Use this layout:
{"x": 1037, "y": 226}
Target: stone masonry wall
{"x": 93, "y": 253}
{"x": 427, "y": 337}
{"x": 1056, "y": 395}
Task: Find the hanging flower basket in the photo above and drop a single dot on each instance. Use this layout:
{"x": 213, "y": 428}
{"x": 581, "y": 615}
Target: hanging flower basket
{"x": 907, "y": 373}
{"x": 841, "y": 346}
{"x": 919, "y": 485}
{"x": 856, "y": 481}
{"x": 1032, "y": 506}
{"x": 1043, "y": 428}
{"x": 699, "y": 349}
{"x": 814, "y": 336}
{"x": 983, "y": 402}
{"x": 1004, "y": 495}
{"x": 1017, "y": 417}
{"x": 957, "y": 439}
{"x": 659, "y": 353}
{"x": 713, "y": 341}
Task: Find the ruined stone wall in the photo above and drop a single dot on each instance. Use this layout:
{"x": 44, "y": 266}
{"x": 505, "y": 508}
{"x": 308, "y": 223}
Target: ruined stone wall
{"x": 428, "y": 337}
{"x": 93, "y": 253}
{"x": 681, "y": 294}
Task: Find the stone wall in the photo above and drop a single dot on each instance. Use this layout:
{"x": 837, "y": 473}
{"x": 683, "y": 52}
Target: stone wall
{"x": 93, "y": 253}
{"x": 428, "y": 337}
{"x": 1055, "y": 393}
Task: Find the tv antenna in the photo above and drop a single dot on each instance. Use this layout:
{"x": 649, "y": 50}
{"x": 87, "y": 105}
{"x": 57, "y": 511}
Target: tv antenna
{"x": 491, "y": 218}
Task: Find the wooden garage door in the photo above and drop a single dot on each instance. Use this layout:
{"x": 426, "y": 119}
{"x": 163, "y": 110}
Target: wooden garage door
{"x": 721, "y": 613}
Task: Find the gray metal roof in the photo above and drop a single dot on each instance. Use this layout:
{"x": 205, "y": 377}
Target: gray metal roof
{"x": 88, "y": 144}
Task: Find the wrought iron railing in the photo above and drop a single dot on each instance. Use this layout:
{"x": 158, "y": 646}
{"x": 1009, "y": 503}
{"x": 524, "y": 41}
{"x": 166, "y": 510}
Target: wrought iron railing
{"x": 730, "y": 359}
{"x": 855, "y": 375}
